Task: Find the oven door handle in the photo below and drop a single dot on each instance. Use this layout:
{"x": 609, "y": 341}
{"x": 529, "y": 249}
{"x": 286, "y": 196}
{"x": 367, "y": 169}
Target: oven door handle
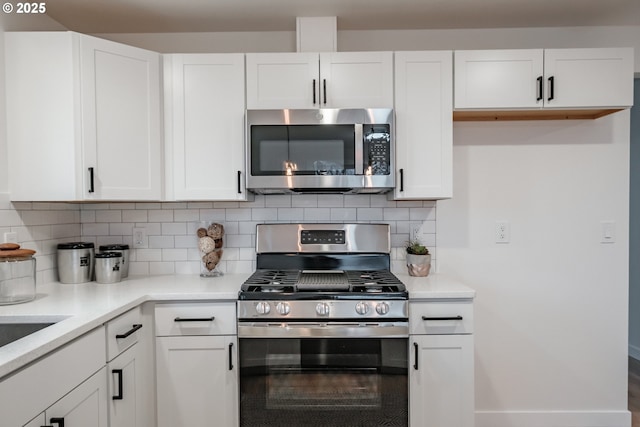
{"x": 323, "y": 330}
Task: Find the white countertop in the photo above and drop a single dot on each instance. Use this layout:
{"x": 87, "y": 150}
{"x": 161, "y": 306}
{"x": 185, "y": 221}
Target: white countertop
{"x": 83, "y": 307}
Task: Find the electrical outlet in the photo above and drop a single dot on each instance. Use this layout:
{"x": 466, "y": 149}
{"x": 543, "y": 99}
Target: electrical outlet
{"x": 10, "y": 237}
{"x": 503, "y": 232}
{"x": 140, "y": 238}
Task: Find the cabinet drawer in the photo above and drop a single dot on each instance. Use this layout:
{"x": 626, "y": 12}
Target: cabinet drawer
{"x": 193, "y": 318}
{"x": 123, "y": 332}
{"x": 441, "y": 317}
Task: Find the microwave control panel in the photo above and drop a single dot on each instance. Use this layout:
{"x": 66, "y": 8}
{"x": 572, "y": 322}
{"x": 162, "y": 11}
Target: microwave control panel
{"x": 377, "y": 149}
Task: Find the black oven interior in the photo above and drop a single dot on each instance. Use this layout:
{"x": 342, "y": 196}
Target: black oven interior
{"x": 307, "y": 382}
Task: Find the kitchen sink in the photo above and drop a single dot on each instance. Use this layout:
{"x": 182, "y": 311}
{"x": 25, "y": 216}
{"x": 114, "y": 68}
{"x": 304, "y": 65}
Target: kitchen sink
{"x": 14, "y": 328}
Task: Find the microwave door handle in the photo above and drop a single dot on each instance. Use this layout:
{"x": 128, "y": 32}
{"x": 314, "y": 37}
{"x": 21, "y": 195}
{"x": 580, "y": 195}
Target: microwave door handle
{"x": 359, "y": 149}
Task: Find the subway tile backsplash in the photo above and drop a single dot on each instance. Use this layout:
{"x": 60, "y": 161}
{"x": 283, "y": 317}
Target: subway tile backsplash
{"x": 171, "y": 227}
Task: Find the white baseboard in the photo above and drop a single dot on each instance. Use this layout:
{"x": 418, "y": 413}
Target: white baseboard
{"x": 553, "y": 419}
{"x": 634, "y": 351}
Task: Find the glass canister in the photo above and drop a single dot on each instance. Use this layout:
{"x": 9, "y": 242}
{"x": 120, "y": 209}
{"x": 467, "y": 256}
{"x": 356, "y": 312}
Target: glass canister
{"x": 17, "y": 279}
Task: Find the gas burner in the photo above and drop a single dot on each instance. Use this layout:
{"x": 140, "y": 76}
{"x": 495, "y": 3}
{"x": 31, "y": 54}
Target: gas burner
{"x": 272, "y": 288}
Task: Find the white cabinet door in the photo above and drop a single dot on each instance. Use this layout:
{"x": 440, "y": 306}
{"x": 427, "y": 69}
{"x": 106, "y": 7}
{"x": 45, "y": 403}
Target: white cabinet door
{"x": 38, "y": 421}
{"x": 282, "y": 80}
{"x": 84, "y": 406}
{"x": 127, "y": 390}
{"x": 356, "y": 79}
{"x": 588, "y": 77}
{"x": 197, "y": 381}
{"x": 424, "y": 125}
{"x": 500, "y": 79}
{"x": 121, "y": 120}
{"x": 205, "y": 140}
{"x": 326, "y": 80}
{"x": 96, "y": 104}
{"x": 441, "y": 381}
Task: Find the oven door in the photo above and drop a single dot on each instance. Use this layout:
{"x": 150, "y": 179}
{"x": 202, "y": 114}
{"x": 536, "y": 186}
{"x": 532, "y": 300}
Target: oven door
{"x": 308, "y": 381}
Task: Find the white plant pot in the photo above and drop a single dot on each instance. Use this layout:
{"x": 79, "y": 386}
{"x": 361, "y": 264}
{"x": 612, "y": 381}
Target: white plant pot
{"x": 418, "y": 265}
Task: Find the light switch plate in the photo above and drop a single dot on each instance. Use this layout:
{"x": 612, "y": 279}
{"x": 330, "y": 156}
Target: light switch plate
{"x": 10, "y": 237}
{"x": 607, "y": 231}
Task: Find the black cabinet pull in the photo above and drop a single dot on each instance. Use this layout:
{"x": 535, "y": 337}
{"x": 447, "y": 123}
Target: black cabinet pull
{"x": 401, "y": 179}
{"x": 129, "y": 332}
{"x": 231, "y": 356}
{"x": 313, "y": 89}
{"x": 442, "y": 318}
{"x": 239, "y": 182}
{"x": 540, "y": 88}
{"x": 59, "y": 421}
{"x": 91, "y": 188}
{"x": 551, "y": 84}
{"x": 324, "y": 90}
{"x": 415, "y": 356}
{"x": 120, "y": 394}
{"x": 194, "y": 319}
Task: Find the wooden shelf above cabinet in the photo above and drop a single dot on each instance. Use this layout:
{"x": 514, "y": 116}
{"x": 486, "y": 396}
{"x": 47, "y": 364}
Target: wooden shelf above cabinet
{"x": 512, "y": 115}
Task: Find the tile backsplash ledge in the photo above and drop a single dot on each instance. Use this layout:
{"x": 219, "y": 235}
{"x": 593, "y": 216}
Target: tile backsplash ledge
{"x": 171, "y": 227}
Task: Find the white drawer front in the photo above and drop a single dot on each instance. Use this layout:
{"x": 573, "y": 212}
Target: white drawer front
{"x": 123, "y": 332}
{"x": 194, "y": 318}
{"x": 441, "y": 318}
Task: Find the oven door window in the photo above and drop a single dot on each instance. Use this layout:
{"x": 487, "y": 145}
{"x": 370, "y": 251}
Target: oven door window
{"x": 323, "y": 382}
{"x": 302, "y": 150}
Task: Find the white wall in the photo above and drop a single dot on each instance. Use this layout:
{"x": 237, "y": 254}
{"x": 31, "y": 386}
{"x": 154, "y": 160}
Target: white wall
{"x": 634, "y": 228}
{"x": 551, "y": 307}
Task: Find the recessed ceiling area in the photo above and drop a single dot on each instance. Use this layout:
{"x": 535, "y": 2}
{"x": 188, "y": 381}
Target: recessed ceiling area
{"x": 167, "y": 16}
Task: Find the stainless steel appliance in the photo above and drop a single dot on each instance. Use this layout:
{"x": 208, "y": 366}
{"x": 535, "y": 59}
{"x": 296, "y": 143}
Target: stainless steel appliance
{"x": 320, "y": 151}
{"x": 323, "y": 329}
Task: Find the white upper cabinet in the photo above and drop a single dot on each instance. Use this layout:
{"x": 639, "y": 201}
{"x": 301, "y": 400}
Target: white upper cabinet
{"x": 325, "y": 80}
{"x": 204, "y": 125}
{"x": 498, "y": 78}
{"x": 83, "y": 118}
{"x": 536, "y": 78}
{"x": 423, "y": 125}
{"x": 588, "y": 77}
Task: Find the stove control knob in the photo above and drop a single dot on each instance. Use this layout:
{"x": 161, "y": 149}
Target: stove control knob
{"x": 283, "y": 308}
{"x": 263, "y": 307}
{"x": 322, "y": 309}
{"x": 362, "y": 308}
{"x": 382, "y": 308}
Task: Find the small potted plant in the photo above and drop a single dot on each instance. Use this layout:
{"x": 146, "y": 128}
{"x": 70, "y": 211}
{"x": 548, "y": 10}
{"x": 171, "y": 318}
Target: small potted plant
{"x": 418, "y": 259}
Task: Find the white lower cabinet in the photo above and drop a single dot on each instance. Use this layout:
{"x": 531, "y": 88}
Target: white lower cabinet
{"x": 196, "y": 363}
{"x": 130, "y": 370}
{"x": 84, "y": 406}
{"x": 197, "y": 382}
{"x": 441, "y": 381}
{"x": 441, "y": 370}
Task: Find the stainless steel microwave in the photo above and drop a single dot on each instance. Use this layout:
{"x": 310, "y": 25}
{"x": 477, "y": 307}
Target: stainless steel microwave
{"x": 320, "y": 151}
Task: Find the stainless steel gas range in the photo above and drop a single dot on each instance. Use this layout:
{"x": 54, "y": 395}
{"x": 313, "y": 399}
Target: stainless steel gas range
{"x": 323, "y": 329}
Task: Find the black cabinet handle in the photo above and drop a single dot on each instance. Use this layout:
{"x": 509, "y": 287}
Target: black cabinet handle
{"x": 551, "y": 84}
{"x": 129, "y": 332}
{"x": 540, "y": 88}
{"x": 442, "y": 318}
{"x": 194, "y": 319}
{"x": 324, "y": 90}
{"x": 120, "y": 395}
{"x": 415, "y": 356}
{"x": 401, "y": 179}
{"x": 313, "y": 88}
{"x": 231, "y": 356}
{"x": 239, "y": 182}
{"x": 91, "y": 188}
{"x": 59, "y": 421}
